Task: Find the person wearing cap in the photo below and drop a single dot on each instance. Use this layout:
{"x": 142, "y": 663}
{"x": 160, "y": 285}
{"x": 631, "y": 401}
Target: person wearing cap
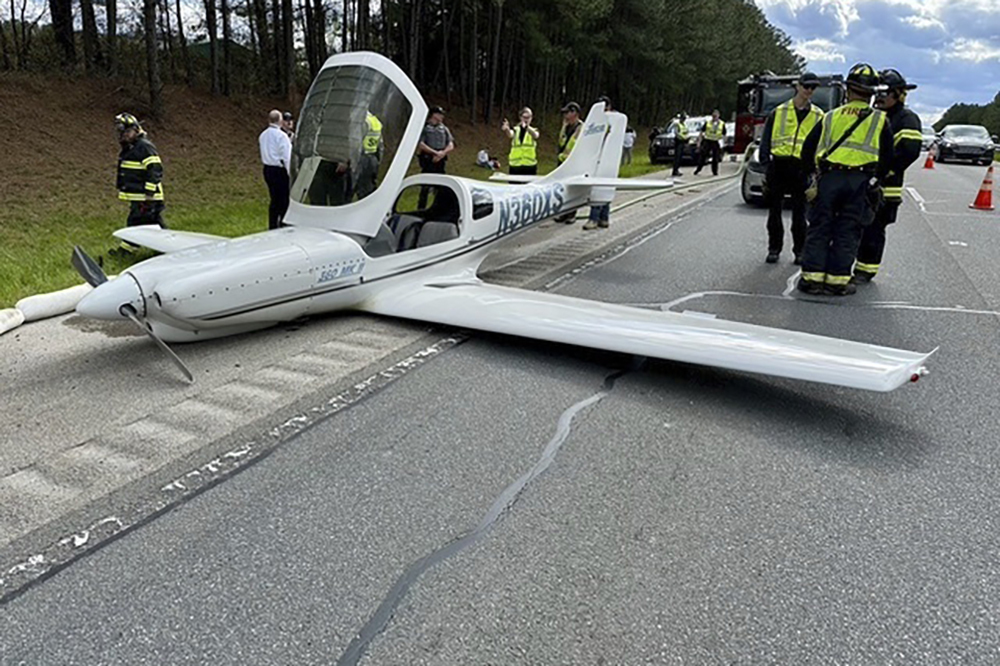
{"x": 436, "y": 142}
{"x": 710, "y": 142}
{"x": 523, "y": 158}
{"x": 288, "y": 124}
{"x": 600, "y": 214}
{"x": 680, "y": 140}
{"x": 780, "y": 151}
{"x": 906, "y": 139}
{"x": 852, "y": 150}
{"x": 568, "y": 136}
{"x": 276, "y": 156}
{"x": 140, "y": 175}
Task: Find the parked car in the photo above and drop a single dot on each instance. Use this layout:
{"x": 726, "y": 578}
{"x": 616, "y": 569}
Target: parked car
{"x": 965, "y": 142}
{"x": 661, "y": 143}
{"x": 928, "y": 139}
{"x": 729, "y": 143}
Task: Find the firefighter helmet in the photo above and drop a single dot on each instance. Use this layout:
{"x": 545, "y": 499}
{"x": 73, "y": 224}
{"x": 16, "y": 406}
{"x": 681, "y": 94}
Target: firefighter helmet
{"x": 893, "y": 80}
{"x": 126, "y": 121}
{"x": 862, "y": 77}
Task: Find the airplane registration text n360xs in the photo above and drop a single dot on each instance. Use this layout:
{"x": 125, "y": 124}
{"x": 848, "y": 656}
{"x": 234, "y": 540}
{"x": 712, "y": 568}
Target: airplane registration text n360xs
{"x": 362, "y": 236}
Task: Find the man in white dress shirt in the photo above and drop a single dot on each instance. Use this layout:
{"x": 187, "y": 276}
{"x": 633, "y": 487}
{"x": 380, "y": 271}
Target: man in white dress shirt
{"x": 276, "y": 154}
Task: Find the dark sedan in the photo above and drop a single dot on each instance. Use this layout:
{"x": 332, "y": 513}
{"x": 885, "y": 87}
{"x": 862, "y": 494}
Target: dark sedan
{"x": 965, "y": 142}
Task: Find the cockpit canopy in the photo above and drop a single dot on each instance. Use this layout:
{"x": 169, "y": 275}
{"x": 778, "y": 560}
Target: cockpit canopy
{"x": 350, "y": 129}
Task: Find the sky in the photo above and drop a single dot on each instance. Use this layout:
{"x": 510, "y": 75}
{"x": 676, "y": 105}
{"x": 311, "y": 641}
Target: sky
{"x": 949, "y": 48}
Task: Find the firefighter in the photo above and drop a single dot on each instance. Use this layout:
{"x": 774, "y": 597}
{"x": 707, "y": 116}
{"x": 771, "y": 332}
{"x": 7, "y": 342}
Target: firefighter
{"x": 568, "y": 136}
{"x": 709, "y": 141}
{"x": 780, "y": 151}
{"x": 680, "y": 140}
{"x": 523, "y": 159}
{"x": 907, "y": 137}
{"x": 140, "y": 175}
{"x": 852, "y": 150}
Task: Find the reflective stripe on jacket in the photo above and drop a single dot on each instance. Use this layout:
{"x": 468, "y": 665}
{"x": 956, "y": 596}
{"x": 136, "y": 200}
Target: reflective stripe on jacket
{"x": 140, "y": 172}
{"x": 373, "y": 135}
{"x": 861, "y": 148}
{"x": 715, "y": 130}
{"x": 787, "y": 134}
{"x": 523, "y": 153}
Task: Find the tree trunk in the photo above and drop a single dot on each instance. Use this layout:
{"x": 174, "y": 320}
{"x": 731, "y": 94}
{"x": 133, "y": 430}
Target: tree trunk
{"x": 227, "y": 56}
{"x": 61, "y": 12}
{"x": 111, "y": 9}
{"x": 414, "y": 37}
{"x": 152, "y": 63}
{"x": 473, "y": 65}
{"x": 362, "y": 22}
{"x": 91, "y": 48}
{"x": 4, "y": 48}
{"x": 279, "y": 59}
{"x": 185, "y": 56}
{"x": 309, "y": 35}
{"x": 13, "y": 36}
{"x": 213, "y": 46}
{"x": 319, "y": 18}
{"x": 263, "y": 36}
{"x": 496, "y": 61}
{"x": 166, "y": 35}
{"x": 289, "y": 47}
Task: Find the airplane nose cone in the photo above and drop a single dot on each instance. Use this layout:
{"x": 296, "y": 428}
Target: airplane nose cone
{"x": 106, "y": 300}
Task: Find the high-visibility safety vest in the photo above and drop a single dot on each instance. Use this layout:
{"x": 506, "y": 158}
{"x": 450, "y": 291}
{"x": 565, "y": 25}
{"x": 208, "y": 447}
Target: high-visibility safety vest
{"x": 373, "y": 135}
{"x": 715, "y": 130}
{"x": 523, "y": 153}
{"x": 567, "y": 143}
{"x": 862, "y": 146}
{"x": 682, "y": 129}
{"x": 787, "y": 133}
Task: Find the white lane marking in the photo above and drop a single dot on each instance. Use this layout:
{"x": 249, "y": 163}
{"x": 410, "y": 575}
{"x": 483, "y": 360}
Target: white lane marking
{"x": 958, "y": 243}
{"x": 918, "y": 198}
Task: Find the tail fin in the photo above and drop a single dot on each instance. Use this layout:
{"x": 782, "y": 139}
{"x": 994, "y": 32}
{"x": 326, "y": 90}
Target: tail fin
{"x": 586, "y": 153}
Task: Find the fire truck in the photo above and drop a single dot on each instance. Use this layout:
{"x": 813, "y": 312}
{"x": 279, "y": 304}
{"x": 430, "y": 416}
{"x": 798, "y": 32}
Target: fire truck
{"x": 758, "y": 96}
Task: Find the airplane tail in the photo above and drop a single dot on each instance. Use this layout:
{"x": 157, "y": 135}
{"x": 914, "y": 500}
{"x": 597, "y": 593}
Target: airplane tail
{"x": 583, "y": 160}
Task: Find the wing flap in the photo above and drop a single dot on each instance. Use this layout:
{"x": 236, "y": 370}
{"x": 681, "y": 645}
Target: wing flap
{"x": 665, "y": 335}
{"x": 164, "y": 240}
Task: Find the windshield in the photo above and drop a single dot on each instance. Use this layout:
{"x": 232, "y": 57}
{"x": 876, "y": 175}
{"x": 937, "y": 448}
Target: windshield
{"x": 349, "y": 130}
{"x": 967, "y": 132}
{"x": 825, "y": 97}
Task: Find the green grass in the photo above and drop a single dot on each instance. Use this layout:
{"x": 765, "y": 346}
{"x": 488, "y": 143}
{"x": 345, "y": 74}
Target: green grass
{"x": 36, "y": 240}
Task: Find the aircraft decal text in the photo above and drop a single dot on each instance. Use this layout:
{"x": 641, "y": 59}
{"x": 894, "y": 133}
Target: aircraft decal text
{"x": 529, "y": 205}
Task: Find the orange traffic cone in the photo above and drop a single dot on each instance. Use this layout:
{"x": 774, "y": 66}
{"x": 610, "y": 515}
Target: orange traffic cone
{"x": 929, "y": 162}
{"x": 984, "y": 200}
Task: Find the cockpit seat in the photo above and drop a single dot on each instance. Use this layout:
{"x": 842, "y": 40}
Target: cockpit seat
{"x": 382, "y": 244}
{"x": 406, "y": 229}
{"x": 436, "y": 232}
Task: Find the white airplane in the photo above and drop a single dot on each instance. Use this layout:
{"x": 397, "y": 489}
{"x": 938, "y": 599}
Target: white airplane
{"x": 361, "y": 237}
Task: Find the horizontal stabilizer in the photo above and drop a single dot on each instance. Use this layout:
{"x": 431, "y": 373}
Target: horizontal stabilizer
{"x": 620, "y": 183}
{"x": 164, "y": 240}
{"x": 665, "y": 335}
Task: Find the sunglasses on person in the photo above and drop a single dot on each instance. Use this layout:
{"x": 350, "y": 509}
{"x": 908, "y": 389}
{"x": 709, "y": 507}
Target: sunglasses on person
{"x": 810, "y": 86}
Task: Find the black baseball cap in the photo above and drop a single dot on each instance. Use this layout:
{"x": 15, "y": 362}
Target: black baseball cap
{"x": 436, "y": 109}
{"x": 572, "y": 106}
{"x": 808, "y": 79}
{"x": 287, "y": 115}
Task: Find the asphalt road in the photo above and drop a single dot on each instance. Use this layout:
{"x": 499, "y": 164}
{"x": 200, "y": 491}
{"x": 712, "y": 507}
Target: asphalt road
{"x": 517, "y": 503}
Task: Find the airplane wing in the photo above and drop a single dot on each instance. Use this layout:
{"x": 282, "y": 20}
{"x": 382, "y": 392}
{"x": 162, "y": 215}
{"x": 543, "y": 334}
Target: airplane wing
{"x": 507, "y": 178}
{"x": 164, "y": 240}
{"x": 688, "y": 338}
{"x": 621, "y": 183}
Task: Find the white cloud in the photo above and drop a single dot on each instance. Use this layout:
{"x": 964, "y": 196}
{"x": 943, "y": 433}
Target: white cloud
{"x": 975, "y": 50}
{"x": 819, "y": 50}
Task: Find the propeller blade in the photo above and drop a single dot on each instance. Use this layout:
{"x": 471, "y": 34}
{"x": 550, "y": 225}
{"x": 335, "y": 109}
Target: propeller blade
{"x": 87, "y": 268}
{"x": 131, "y": 313}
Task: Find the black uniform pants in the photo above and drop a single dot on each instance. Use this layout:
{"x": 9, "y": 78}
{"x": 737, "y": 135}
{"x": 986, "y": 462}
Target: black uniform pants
{"x": 873, "y": 238}
{"x": 784, "y": 176}
{"x": 709, "y": 147}
{"x": 835, "y": 227}
{"x": 279, "y": 186}
{"x": 531, "y": 170}
{"x": 145, "y": 212}
{"x": 679, "y": 146}
{"x": 428, "y": 165}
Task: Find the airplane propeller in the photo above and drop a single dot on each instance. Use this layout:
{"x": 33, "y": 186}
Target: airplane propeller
{"x": 90, "y": 271}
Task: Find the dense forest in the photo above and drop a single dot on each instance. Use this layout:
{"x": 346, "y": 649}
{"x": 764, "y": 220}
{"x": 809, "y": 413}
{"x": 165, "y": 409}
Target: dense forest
{"x": 987, "y": 115}
{"x": 653, "y": 57}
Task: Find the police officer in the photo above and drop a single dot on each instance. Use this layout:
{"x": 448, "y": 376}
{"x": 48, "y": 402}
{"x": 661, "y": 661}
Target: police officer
{"x": 568, "y": 136}
{"x": 371, "y": 156}
{"x": 712, "y": 133}
{"x": 852, "y": 149}
{"x": 785, "y": 131}
{"x": 140, "y": 175}
{"x": 907, "y": 137}
{"x": 523, "y": 159}
{"x": 680, "y": 140}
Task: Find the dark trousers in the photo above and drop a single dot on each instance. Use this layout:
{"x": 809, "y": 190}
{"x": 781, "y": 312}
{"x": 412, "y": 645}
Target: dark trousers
{"x": 784, "y": 176}
{"x": 679, "y": 145}
{"x": 835, "y": 227}
{"x": 873, "y": 238}
{"x": 278, "y": 185}
{"x": 524, "y": 170}
{"x": 428, "y": 165}
{"x": 709, "y": 147}
{"x": 145, "y": 212}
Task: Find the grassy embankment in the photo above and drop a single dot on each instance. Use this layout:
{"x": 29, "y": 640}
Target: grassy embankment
{"x": 57, "y": 165}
